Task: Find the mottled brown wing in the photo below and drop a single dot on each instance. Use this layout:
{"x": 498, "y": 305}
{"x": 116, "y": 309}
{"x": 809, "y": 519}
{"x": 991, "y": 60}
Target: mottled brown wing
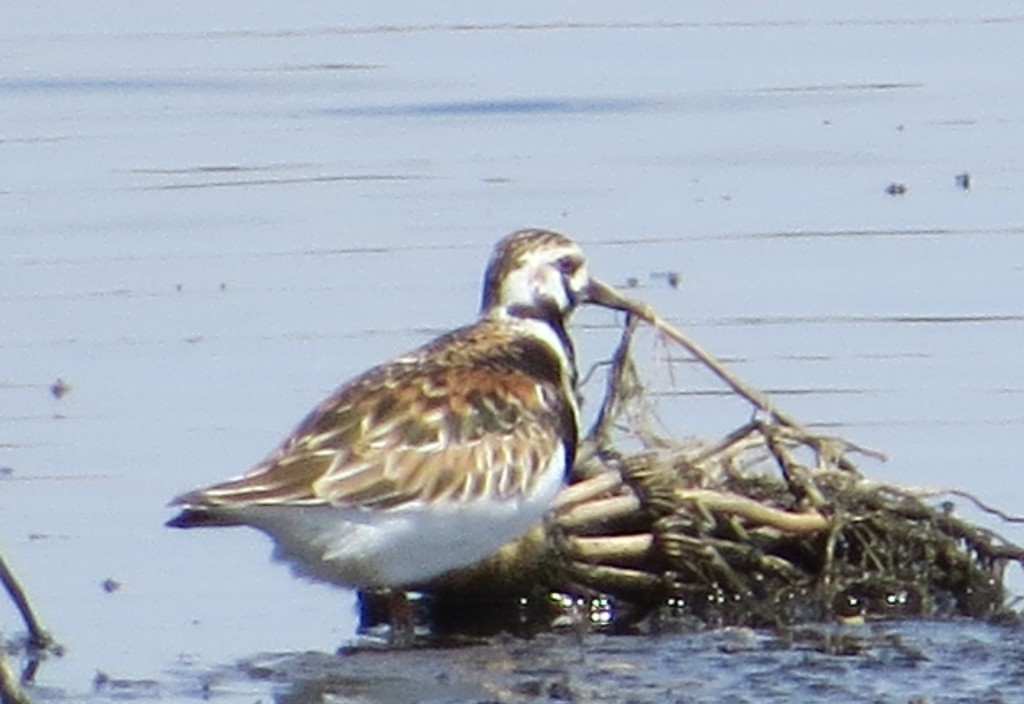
{"x": 459, "y": 420}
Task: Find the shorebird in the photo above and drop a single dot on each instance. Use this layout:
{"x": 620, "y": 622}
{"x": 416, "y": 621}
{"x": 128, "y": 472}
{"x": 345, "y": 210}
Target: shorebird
{"x": 436, "y": 459}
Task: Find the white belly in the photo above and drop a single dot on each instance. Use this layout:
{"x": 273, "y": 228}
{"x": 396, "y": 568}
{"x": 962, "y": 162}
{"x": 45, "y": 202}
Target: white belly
{"x": 367, "y": 548}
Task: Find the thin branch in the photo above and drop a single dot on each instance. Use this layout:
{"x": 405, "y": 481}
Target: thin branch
{"x": 755, "y": 397}
{"x": 38, "y": 638}
{"x": 920, "y": 492}
{"x": 10, "y": 689}
{"x": 615, "y": 386}
{"x": 787, "y": 521}
{"x": 587, "y": 490}
{"x": 613, "y": 550}
{"x": 594, "y": 513}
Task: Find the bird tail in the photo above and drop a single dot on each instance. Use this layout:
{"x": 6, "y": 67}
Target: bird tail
{"x": 202, "y": 518}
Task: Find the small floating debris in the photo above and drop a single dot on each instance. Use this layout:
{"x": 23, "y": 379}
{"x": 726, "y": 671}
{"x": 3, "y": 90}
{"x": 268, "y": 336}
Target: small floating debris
{"x": 60, "y": 388}
{"x": 110, "y": 585}
{"x": 672, "y": 278}
{"x": 963, "y": 181}
{"x": 124, "y": 688}
{"x": 896, "y": 189}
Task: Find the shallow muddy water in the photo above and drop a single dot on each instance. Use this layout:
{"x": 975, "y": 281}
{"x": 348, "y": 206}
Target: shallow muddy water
{"x": 210, "y": 215}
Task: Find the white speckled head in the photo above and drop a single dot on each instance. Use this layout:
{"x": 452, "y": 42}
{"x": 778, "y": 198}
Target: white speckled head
{"x": 541, "y": 274}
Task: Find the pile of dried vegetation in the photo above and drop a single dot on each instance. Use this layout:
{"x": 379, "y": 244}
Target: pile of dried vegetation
{"x": 772, "y": 525}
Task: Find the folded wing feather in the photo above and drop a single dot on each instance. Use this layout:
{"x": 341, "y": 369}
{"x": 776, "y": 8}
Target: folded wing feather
{"x": 413, "y": 434}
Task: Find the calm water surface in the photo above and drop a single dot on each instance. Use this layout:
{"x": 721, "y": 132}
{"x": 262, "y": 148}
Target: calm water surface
{"x": 211, "y": 215}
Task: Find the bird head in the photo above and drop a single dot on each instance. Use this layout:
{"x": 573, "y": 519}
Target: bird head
{"x": 542, "y": 274}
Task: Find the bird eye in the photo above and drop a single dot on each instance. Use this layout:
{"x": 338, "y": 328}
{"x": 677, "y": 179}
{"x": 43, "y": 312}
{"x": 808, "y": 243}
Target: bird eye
{"x": 568, "y": 265}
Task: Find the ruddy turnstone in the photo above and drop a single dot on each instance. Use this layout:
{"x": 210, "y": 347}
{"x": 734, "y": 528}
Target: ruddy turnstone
{"x": 436, "y": 459}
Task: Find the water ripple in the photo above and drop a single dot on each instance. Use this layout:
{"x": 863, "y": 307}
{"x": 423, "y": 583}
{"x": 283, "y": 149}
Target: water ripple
{"x": 506, "y": 106}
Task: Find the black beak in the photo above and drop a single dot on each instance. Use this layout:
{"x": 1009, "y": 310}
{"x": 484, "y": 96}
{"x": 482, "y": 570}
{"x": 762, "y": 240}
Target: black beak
{"x": 600, "y": 293}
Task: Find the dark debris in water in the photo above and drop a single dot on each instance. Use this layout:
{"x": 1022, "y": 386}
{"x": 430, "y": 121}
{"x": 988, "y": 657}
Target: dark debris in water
{"x": 125, "y": 688}
{"x": 60, "y": 388}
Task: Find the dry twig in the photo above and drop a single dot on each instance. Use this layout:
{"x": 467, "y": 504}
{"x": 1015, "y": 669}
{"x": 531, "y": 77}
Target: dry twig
{"x": 38, "y": 638}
